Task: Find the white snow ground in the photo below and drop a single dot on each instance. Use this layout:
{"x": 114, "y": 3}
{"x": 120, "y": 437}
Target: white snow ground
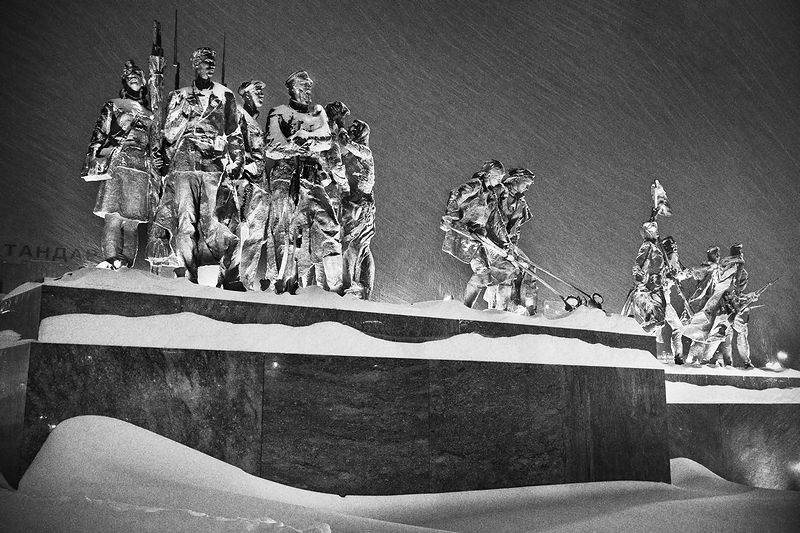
{"x": 97, "y": 474}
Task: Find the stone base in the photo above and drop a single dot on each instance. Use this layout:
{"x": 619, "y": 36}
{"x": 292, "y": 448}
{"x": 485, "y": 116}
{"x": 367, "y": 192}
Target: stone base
{"x": 714, "y": 377}
{"x": 752, "y": 444}
{"x": 23, "y": 313}
{"x": 350, "y": 425}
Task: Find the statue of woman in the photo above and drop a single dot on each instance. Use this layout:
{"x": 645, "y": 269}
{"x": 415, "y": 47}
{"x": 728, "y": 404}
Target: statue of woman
{"x": 124, "y": 155}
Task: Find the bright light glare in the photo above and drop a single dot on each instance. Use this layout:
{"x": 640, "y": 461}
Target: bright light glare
{"x": 782, "y": 355}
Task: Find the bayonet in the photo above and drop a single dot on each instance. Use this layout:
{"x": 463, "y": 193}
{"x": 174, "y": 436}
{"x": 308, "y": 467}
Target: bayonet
{"x": 222, "y": 78}
{"x": 175, "y": 63}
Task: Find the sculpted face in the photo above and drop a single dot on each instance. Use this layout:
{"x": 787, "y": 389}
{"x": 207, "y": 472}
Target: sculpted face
{"x": 255, "y": 97}
{"x": 301, "y": 92}
{"x": 134, "y": 81}
{"x": 205, "y": 69}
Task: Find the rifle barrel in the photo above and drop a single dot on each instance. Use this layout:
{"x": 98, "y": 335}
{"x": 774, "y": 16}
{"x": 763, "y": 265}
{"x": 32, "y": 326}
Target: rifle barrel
{"x": 175, "y": 63}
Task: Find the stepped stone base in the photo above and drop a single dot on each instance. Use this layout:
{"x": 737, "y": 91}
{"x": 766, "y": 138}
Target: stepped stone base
{"x": 752, "y": 444}
{"x": 350, "y": 425}
{"x": 23, "y": 313}
{"x": 711, "y": 377}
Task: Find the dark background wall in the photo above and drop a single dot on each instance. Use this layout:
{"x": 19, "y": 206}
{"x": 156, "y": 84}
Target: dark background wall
{"x": 597, "y": 98}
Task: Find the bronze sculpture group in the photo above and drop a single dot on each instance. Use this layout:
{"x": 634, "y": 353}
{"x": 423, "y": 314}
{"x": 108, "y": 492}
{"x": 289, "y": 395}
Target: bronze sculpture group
{"x": 228, "y": 204}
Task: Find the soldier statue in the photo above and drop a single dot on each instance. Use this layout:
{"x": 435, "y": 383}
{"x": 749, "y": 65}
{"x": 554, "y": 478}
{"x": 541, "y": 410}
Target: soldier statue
{"x": 203, "y": 151}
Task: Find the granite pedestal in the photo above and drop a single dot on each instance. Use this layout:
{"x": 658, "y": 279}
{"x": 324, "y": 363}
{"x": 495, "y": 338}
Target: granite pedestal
{"x": 350, "y": 425}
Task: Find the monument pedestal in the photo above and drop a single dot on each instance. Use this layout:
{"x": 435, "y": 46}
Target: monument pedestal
{"x": 336, "y": 423}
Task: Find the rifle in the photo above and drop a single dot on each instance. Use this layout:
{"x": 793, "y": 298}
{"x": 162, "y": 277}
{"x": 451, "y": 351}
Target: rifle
{"x": 525, "y": 258}
{"x": 222, "y": 78}
{"x": 175, "y": 63}
{"x": 517, "y": 262}
{"x": 752, "y": 297}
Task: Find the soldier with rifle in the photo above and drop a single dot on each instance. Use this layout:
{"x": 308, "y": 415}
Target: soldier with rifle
{"x": 732, "y": 312}
{"x": 203, "y": 151}
{"x": 124, "y": 155}
{"x": 305, "y": 228}
{"x": 473, "y": 209}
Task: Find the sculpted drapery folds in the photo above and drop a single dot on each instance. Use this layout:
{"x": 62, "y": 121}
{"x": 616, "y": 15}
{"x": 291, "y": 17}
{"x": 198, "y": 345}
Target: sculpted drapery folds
{"x": 305, "y": 226}
{"x": 358, "y": 211}
{"x": 474, "y": 208}
{"x": 124, "y": 156}
{"x": 203, "y": 147}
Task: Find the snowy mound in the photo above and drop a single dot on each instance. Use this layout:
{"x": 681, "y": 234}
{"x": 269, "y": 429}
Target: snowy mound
{"x": 140, "y": 281}
{"x": 188, "y": 330}
{"x": 98, "y": 474}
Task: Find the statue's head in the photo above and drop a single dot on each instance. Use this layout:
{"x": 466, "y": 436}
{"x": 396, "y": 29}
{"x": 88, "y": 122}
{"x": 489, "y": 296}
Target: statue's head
{"x": 492, "y": 172}
{"x": 299, "y": 84}
{"x": 252, "y": 92}
{"x": 712, "y": 254}
{"x": 337, "y": 112}
{"x": 132, "y": 76}
{"x": 203, "y": 62}
{"x": 649, "y": 230}
{"x": 359, "y": 132}
{"x": 518, "y": 180}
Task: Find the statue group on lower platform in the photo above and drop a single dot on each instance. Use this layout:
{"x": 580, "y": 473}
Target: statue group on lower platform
{"x": 714, "y": 318}
{"x": 228, "y": 204}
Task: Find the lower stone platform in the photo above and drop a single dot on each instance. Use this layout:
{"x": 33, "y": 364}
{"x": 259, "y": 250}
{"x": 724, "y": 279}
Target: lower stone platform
{"x": 350, "y": 425}
{"x": 714, "y": 376}
{"x": 753, "y": 444}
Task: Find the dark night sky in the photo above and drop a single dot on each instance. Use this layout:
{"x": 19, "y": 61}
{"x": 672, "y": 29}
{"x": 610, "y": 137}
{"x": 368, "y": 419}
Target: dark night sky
{"x": 597, "y": 98}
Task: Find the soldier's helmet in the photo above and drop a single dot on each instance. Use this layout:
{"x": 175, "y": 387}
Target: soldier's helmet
{"x": 736, "y": 249}
{"x": 649, "y": 230}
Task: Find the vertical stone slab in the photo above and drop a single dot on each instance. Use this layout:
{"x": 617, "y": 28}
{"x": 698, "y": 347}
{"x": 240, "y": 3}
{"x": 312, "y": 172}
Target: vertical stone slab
{"x": 760, "y": 444}
{"x": 13, "y": 388}
{"x": 208, "y": 400}
{"x": 695, "y": 433}
{"x": 618, "y": 429}
{"x": 495, "y": 425}
{"x": 346, "y": 425}
{"x": 21, "y": 313}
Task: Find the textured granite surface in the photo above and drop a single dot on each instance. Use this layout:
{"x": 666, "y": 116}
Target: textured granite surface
{"x": 495, "y": 425}
{"x": 753, "y": 444}
{"x": 363, "y": 425}
{"x": 21, "y": 313}
{"x": 616, "y": 414}
{"x": 13, "y": 388}
{"x": 208, "y": 400}
{"x": 346, "y": 425}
